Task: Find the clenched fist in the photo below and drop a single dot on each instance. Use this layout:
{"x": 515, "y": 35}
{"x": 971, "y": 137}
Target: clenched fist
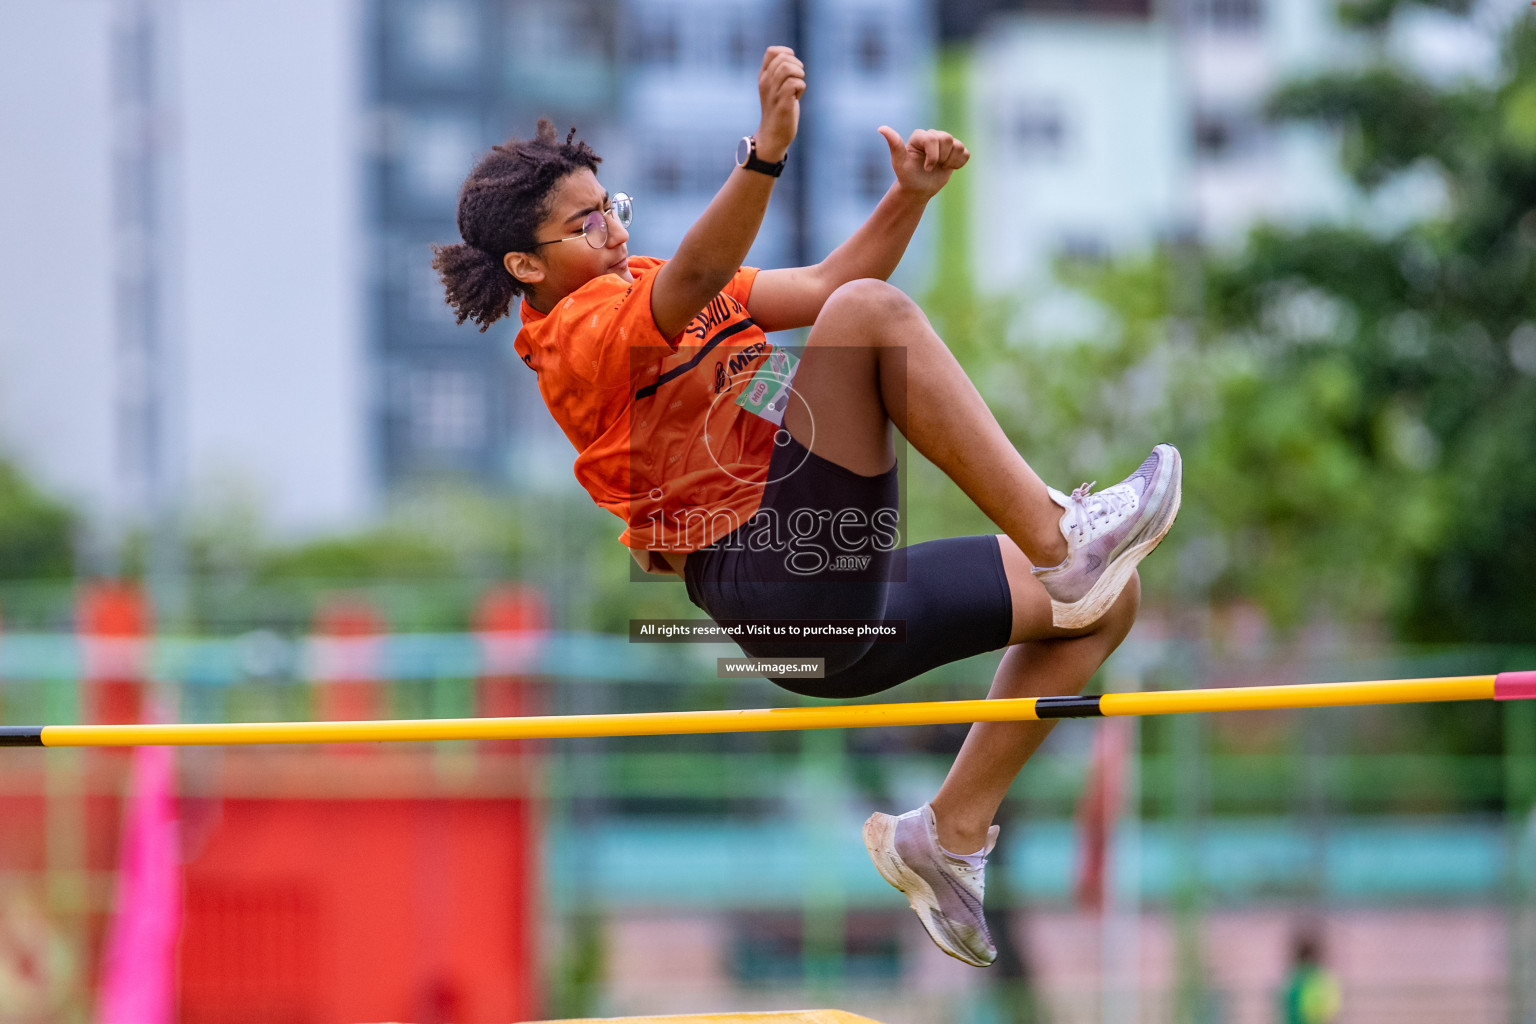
{"x": 780, "y": 84}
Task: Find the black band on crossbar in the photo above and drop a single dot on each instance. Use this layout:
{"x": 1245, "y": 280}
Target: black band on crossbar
{"x": 1067, "y": 707}
{"x": 21, "y": 735}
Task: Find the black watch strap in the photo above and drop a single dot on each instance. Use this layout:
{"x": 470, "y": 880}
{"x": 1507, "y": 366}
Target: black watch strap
{"x": 746, "y": 156}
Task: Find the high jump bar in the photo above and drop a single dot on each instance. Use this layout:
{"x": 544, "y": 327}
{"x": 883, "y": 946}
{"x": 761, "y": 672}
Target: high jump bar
{"x": 1503, "y": 686}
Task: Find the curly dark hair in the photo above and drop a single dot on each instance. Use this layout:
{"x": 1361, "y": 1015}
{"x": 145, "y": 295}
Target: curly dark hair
{"x": 503, "y": 202}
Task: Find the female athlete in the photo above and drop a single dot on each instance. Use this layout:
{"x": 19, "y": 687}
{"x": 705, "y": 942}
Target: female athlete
{"x": 768, "y": 483}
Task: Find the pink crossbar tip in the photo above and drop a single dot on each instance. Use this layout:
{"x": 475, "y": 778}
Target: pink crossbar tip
{"x": 1514, "y": 686}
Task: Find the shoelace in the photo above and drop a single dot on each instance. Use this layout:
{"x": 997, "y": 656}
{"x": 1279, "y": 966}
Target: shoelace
{"x": 1089, "y": 506}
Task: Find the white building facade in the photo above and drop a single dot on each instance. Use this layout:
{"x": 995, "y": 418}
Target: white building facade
{"x": 261, "y": 364}
{"x": 1103, "y": 132}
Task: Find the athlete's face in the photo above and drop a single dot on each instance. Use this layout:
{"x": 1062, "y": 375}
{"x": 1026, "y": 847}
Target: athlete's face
{"x": 565, "y": 260}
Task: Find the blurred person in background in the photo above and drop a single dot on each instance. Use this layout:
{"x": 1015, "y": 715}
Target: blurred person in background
{"x": 769, "y": 482}
{"x": 1311, "y": 994}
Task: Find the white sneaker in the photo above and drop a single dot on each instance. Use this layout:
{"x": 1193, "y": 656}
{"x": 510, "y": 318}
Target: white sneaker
{"x": 1108, "y": 534}
{"x": 945, "y": 891}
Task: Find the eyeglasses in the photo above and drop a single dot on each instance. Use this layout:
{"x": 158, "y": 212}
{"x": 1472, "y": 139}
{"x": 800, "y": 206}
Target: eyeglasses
{"x": 595, "y": 227}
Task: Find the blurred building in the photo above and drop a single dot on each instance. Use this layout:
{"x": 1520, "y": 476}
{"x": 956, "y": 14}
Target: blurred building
{"x": 180, "y": 186}
{"x": 217, "y": 283}
{"x": 446, "y": 80}
{"x": 872, "y": 63}
{"x": 662, "y": 89}
{"x": 1103, "y": 126}
{"x": 691, "y": 95}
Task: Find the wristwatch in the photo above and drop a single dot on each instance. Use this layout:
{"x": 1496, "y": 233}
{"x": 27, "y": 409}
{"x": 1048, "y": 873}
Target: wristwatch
{"x": 746, "y": 156}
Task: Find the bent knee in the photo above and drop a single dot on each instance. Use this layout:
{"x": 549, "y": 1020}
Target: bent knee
{"x": 866, "y": 301}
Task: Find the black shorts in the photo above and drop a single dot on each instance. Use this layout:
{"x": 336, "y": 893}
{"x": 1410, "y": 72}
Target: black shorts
{"x": 822, "y": 547}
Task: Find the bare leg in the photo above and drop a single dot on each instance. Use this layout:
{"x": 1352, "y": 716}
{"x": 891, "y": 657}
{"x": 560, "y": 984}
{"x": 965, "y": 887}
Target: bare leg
{"x": 1044, "y": 661}
{"x": 873, "y": 361}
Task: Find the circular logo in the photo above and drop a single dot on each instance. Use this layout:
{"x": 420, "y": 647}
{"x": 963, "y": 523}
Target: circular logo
{"x": 781, "y": 437}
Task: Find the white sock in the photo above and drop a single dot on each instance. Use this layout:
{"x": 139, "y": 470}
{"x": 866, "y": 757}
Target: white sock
{"x": 975, "y": 860}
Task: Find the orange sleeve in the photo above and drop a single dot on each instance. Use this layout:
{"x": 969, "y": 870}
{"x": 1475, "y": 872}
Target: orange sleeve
{"x": 740, "y": 287}
{"x": 637, "y": 305}
{"x": 602, "y": 325}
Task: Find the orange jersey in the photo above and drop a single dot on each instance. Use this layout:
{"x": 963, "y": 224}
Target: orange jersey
{"x": 660, "y": 440}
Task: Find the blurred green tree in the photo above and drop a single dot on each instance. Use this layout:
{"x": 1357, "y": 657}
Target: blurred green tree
{"x": 37, "y": 532}
{"x": 1440, "y": 342}
{"x": 1356, "y": 407}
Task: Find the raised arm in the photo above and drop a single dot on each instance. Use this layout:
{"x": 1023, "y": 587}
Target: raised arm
{"x": 784, "y": 299}
{"x": 712, "y": 250}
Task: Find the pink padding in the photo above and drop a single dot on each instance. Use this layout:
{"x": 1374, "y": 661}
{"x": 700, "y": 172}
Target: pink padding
{"x": 1514, "y": 685}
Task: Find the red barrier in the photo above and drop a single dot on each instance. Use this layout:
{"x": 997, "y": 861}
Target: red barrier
{"x": 345, "y": 672}
{"x": 327, "y": 910}
{"x": 113, "y": 622}
{"x": 511, "y": 622}
{"x": 309, "y": 906}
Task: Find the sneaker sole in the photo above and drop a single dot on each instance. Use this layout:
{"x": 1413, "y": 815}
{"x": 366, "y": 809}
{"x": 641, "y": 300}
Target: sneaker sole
{"x": 880, "y": 841}
{"x": 1095, "y": 604}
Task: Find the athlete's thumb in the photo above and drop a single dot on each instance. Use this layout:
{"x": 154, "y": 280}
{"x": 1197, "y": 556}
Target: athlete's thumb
{"x": 897, "y": 144}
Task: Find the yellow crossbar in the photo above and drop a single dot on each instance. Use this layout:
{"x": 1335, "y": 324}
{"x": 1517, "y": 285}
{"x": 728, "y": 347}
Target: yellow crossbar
{"x": 1508, "y": 685}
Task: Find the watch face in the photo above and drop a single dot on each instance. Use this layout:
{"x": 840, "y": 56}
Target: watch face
{"x": 743, "y": 151}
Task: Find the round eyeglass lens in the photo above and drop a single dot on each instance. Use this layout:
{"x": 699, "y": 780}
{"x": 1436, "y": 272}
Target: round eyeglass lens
{"x": 594, "y": 227}
{"x": 624, "y": 207}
